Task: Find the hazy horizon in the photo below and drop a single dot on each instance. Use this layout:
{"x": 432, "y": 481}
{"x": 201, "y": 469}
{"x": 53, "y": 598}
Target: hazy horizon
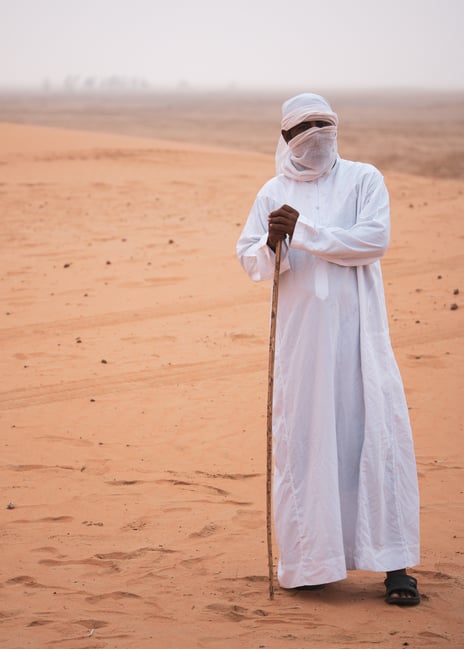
{"x": 265, "y": 45}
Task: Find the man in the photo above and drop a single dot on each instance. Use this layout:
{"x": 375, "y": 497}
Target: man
{"x": 345, "y": 482}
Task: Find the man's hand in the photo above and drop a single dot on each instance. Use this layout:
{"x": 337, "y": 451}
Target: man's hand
{"x": 281, "y": 222}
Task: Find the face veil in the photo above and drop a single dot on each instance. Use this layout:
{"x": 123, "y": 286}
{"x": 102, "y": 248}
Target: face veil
{"x": 313, "y": 153}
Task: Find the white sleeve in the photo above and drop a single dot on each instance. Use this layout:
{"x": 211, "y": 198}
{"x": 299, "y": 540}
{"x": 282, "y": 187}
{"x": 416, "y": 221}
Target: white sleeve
{"x": 363, "y": 243}
{"x": 255, "y": 256}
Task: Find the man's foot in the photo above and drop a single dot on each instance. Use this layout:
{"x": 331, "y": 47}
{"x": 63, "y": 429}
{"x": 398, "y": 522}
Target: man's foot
{"x": 401, "y": 589}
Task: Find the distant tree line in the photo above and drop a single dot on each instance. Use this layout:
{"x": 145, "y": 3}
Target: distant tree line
{"x": 89, "y": 84}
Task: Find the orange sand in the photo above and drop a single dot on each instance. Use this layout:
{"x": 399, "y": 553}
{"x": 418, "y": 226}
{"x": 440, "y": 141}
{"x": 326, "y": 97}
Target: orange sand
{"x": 133, "y": 399}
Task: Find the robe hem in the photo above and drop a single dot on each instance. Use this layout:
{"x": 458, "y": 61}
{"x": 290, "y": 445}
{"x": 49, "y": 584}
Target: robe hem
{"x": 298, "y": 574}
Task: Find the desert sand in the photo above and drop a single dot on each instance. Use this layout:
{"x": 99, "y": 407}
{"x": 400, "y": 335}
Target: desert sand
{"x": 133, "y": 396}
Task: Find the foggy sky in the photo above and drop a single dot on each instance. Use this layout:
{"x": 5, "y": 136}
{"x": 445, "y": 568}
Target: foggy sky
{"x": 243, "y": 43}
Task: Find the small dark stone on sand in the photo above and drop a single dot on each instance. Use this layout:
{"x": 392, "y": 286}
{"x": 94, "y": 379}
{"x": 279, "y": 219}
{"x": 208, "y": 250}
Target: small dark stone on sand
{"x": 66, "y": 265}
{"x": 108, "y": 263}
{"x": 11, "y": 506}
{"x": 171, "y": 241}
{"x": 456, "y": 291}
{"x": 92, "y": 400}
{"x": 454, "y": 306}
{"x": 438, "y": 276}
{"x": 103, "y": 361}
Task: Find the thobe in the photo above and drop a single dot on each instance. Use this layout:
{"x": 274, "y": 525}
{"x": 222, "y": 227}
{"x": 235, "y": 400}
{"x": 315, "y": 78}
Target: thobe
{"x": 345, "y": 481}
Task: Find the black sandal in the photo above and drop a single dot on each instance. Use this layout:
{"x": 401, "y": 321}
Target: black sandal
{"x": 396, "y": 585}
{"x": 315, "y": 587}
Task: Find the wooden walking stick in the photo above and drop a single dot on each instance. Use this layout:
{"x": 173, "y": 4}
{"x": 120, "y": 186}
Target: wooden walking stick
{"x": 270, "y": 395}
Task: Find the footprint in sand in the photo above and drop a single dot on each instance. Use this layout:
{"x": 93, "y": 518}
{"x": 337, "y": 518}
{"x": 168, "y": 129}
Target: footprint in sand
{"x": 97, "y": 563}
{"x": 125, "y": 556}
{"x": 194, "y": 486}
{"x": 137, "y": 524}
{"x": 28, "y": 582}
{"x": 92, "y": 624}
{"x": 168, "y": 510}
{"x": 230, "y": 476}
{"x": 49, "y": 549}
{"x": 249, "y": 519}
{"x": 124, "y": 483}
{"x": 430, "y": 634}
{"x": 235, "y": 612}
{"x": 198, "y": 565}
{"x": 117, "y": 595}
{"x": 205, "y": 531}
{"x": 26, "y": 467}
{"x": 47, "y": 519}
{"x": 190, "y": 563}
{"x": 230, "y": 611}
{"x": 39, "y": 467}
{"x": 245, "y": 338}
{"x": 25, "y": 580}
{"x": 434, "y": 575}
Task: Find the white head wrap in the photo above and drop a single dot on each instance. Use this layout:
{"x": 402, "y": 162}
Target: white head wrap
{"x": 310, "y": 154}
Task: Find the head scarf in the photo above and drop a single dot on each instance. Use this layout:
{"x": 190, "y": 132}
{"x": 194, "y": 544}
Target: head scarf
{"x": 310, "y": 154}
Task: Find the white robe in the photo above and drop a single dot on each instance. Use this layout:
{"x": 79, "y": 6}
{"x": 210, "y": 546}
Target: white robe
{"x": 345, "y": 481}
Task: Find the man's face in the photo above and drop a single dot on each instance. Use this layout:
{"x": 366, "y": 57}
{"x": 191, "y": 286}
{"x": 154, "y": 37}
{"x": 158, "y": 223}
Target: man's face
{"x": 301, "y": 127}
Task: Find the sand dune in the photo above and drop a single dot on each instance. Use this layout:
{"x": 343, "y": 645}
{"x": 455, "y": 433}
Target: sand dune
{"x": 132, "y": 406}
{"x": 411, "y": 132}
